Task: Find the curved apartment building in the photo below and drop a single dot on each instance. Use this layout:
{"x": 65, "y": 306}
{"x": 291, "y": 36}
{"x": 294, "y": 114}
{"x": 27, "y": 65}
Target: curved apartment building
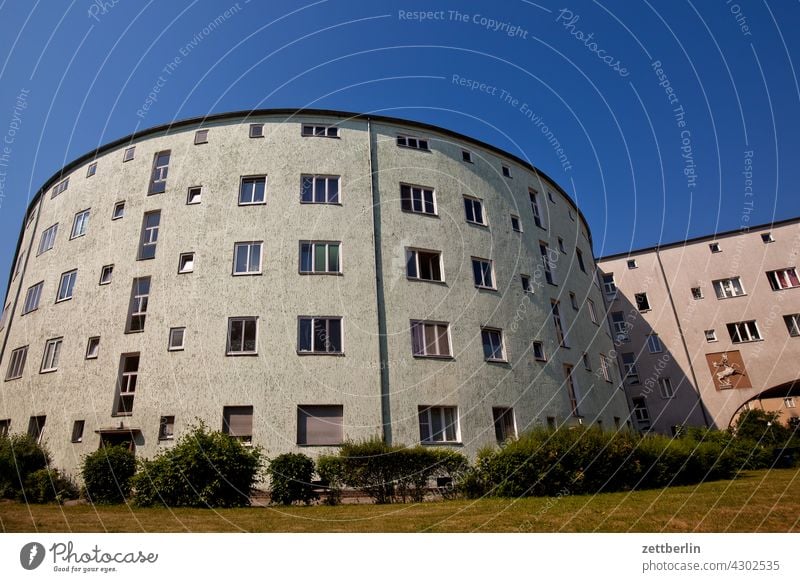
{"x": 300, "y": 278}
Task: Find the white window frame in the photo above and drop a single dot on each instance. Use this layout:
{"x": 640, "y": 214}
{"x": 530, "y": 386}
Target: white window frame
{"x": 186, "y": 263}
{"x": 194, "y": 195}
{"x": 318, "y": 130}
{"x": 118, "y": 211}
{"x": 106, "y": 274}
{"x": 535, "y": 208}
{"x": 788, "y": 402}
{"x": 419, "y": 334}
{"x": 413, "y": 254}
{"x": 166, "y": 427}
{"x": 51, "y": 355}
{"x": 641, "y": 414}
{"x": 518, "y": 220}
{"x": 483, "y": 264}
{"x": 714, "y": 247}
{"x": 630, "y": 370}
{"x": 314, "y": 246}
{"x": 499, "y": 413}
{"x": 248, "y": 247}
{"x": 592, "y": 311}
{"x": 745, "y": 331}
{"x": 93, "y": 348}
{"x": 654, "y": 345}
{"x": 16, "y": 363}
{"x": 48, "y": 239}
{"x": 604, "y": 370}
{"x": 78, "y": 428}
{"x": 314, "y": 341}
{"x": 473, "y": 206}
{"x": 159, "y": 173}
{"x": 32, "y": 298}
{"x": 80, "y": 223}
{"x": 328, "y": 195}
{"x": 527, "y": 284}
{"x": 632, "y": 264}
{"x": 727, "y": 288}
{"x": 425, "y": 416}
{"x": 710, "y": 335}
{"x": 149, "y": 236}
{"x": 128, "y": 154}
{"x": 697, "y": 293}
{"x": 66, "y": 286}
{"x": 254, "y": 180}
{"x": 139, "y": 304}
{"x": 127, "y": 384}
{"x": 91, "y": 169}
{"x": 620, "y": 327}
{"x": 766, "y": 237}
{"x": 542, "y": 355}
{"x": 417, "y": 196}
{"x": 781, "y": 279}
{"x": 200, "y": 136}
{"x": 175, "y": 334}
{"x": 609, "y": 285}
{"x": 244, "y": 320}
{"x": 413, "y": 143}
{"x": 60, "y": 187}
{"x": 494, "y": 332}
{"x": 665, "y": 388}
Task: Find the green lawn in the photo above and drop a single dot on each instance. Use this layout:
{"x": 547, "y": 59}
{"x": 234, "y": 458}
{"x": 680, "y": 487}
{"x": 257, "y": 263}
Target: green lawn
{"x": 759, "y": 501}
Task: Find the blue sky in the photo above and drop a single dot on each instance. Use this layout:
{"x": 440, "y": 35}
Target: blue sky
{"x": 660, "y": 107}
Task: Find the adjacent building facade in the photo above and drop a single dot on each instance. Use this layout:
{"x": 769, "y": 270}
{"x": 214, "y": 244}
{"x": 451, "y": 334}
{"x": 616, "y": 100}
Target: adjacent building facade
{"x": 708, "y": 327}
{"x": 298, "y": 279}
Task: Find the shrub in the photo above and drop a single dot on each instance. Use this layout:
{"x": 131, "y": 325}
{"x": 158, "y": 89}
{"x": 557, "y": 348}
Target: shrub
{"x": 48, "y": 485}
{"x": 20, "y": 457}
{"x": 203, "y": 469}
{"x": 331, "y": 472}
{"x": 290, "y": 479}
{"x": 107, "y": 474}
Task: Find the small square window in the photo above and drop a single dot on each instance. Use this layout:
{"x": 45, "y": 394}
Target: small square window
{"x": 711, "y": 335}
{"x": 93, "y": 348}
{"x": 256, "y": 130}
{"x": 516, "y": 225}
{"x": 632, "y": 264}
{"x": 201, "y": 137}
{"x": 186, "y": 263}
{"x": 766, "y": 237}
{"x": 166, "y": 426}
{"x": 91, "y": 170}
{"x": 105, "y": 274}
{"x": 77, "y": 431}
{"x": 194, "y": 195}
{"x": 715, "y": 248}
{"x": 129, "y": 153}
{"x": 538, "y": 352}
{"x": 119, "y": 210}
{"x": 177, "y": 339}
{"x": 697, "y": 293}
{"x": 506, "y": 171}
{"x": 466, "y": 156}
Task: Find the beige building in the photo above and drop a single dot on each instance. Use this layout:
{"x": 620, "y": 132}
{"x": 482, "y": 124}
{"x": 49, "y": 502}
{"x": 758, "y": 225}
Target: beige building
{"x": 300, "y": 278}
{"x": 708, "y": 327}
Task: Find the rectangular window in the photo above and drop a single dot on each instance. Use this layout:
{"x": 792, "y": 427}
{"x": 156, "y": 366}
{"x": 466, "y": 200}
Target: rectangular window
{"x": 77, "y": 431}
{"x": 629, "y": 369}
{"x": 106, "y": 274}
{"x": 5, "y": 427}
{"x": 127, "y": 156}
{"x": 319, "y": 335}
{"x": 493, "y": 350}
{"x": 3, "y": 317}
{"x": 60, "y": 187}
{"x": 237, "y": 422}
{"x": 466, "y": 156}
{"x": 18, "y": 264}
{"x": 48, "y": 239}
{"x": 424, "y": 265}
{"x": 320, "y": 425}
{"x": 36, "y": 427}
{"x": 66, "y": 286}
{"x": 619, "y": 326}
{"x": 550, "y": 197}
{"x": 725, "y": 288}
{"x": 256, "y": 130}
{"x": 166, "y": 428}
{"x": 711, "y": 335}
{"x": 200, "y": 136}
{"x": 194, "y": 195}
{"x": 506, "y": 171}
{"x": 320, "y": 257}
{"x": 430, "y": 339}
{"x": 527, "y": 287}
{"x": 604, "y": 368}
{"x": 93, "y": 348}
{"x": 654, "y": 344}
{"x": 126, "y": 384}
{"x": 744, "y": 331}
{"x": 158, "y": 180}
{"x": 640, "y": 412}
{"x": 483, "y": 273}
{"x": 16, "y": 364}
{"x": 697, "y": 293}
{"x": 91, "y": 170}
{"x": 609, "y": 286}
{"x": 792, "y": 324}
{"x": 592, "y": 312}
{"x": 319, "y": 189}
{"x": 417, "y": 199}
{"x": 572, "y": 391}
{"x": 561, "y": 245}
{"x": 516, "y": 225}
{"x": 415, "y": 143}
{"x": 586, "y": 361}
{"x": 547, "y": 265}
{"x": 788, "y": 402}
{"x": 504, "y": 426}
{"x": 119, "y": 210}
{"x": 579, "y": 256}
{"x": 252, "y": 190}
{"x": 80, "y": 224}
{"x": 715, "y": 248}
{"x": 247, "y": 258}
{"x": 537, "y": 215}
{"x": 52, "y": 352}
{"x": 573, "y": 301}
{"x": 242, "y": 336}
{"x": 177, "y": 339}
{"x": 149, "y": 239}
{"x": 632, "y": 264}
{"x": 561, "y": 336}
{"x": 783, "y": 279}
{"x": 320, "y": 131}
{"x": 642, "y": 302}
{"x": 473, "y": 208}
{"x": 137, "y": 311}
{"x": 32, "y": 298}
{"x": 438, "y": 424}
{"x": 186, "y": 263}
{"x": 766, "y": 237}
{"x": 538, "y": 352}
{"x": 665, "y": 386}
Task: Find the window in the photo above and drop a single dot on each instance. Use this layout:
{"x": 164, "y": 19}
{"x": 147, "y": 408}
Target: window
{"x": 493, "y": 350}
{"x": 93, "y": 348}
{"x": 52, "y": 352}
{"x": 237, "y": 422}
{"x": 186, "y": 263}
{"x": 424, "y": 265}
{"x": 573, "y": 301}
{"x": 126, "y": 385}
{"x": 417, "y": 199}
{"x": 642, "y": 302}
{"x": 766, "y": 237}
{"x": 194, "y": 195}
{"x": 415, "y": 143}
{"x": 788, "y": 402}
{"x": 711, "y": 335}
{"x": 158, "y": 181}
{"x": 105, "y": 274}
{"x": 537, "y": 216}
{"x": 320, "y": 425}
{"x": 247, "y": 258}
{"x": 609, "y": 286}
{"x": 119, "y": 210}
{"x": 744, "y": 331}
{"x": 725, "y": 288}
{"x": 619, "y": 326}
{"x": 640, "y": 413}
{"x": 561, "y": 337}
{"x": 629, "y": 369}
{"x": 438, "y": 424}
{"x": 604, "y": 368}
{"x": 77, "y": 431}
{"x": 16, "y": 364}
{"x": 571, "y": 215}
{"x": 166, "y": 428}
{"x": 48, "y": 239}
{"x": 242, "y": 336}
{"x": 3, "y": 317}
{"x": 473, "y": 208}
{"x": 715, "y": 248}
{"x": 783, "y": 279}
{"x": 551, "y": 422}
{"x": 561, "y": 245}
{"x": 482, "y": 273}
{"x": 36, "y": 427}
{"x": 18, "y": 264}
{"x": 66, "y": 286}
{"x": 177, "y": 339}
{"x": 632, "y": 264}
{"x": 516, "y": 225}
{"x": 5, "y": 426}
{"x": 320, "y": 335}
{"x": 506, "y": 171}
{"x": 127, "y": 156}
{"x": 665, "y": 387}
{"x": 547, "y": 264}
{"x": 592, "y": 312}
{"x": 527, "y": 287}
{"x": 504, "y": 426}
{"x": 320, "y": 257}
{"x": 586, "y": 363}
{"x": 579, "y": 256}
{"x": 654, "y": 344}
{"x": 32, "y": 298}
{"x": 319, "y": 189}
{"x": 572, "y": 392}
{"x": 792, "y": 324}
{"x": 137, "y": 311}
{"x": 256, "y": 130}
{"x": 466, "y": 156}
{"x": 252, "y": 190}
{"x": 697, "y": 293}
{"x": 91, "y": 170}
{"x": 550, "y": 197}
{"x": 60, "y": 187}
{"x": 538, "y": 352}
{"x": 320, "y": 131}
{"x": 200, "y": 136}
{"x": 79, "y": 224}
{"x": 430, "y": 339}
{"x": 149, "y": 238}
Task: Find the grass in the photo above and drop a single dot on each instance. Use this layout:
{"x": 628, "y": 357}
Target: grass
{"x": 758, "y": 501}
